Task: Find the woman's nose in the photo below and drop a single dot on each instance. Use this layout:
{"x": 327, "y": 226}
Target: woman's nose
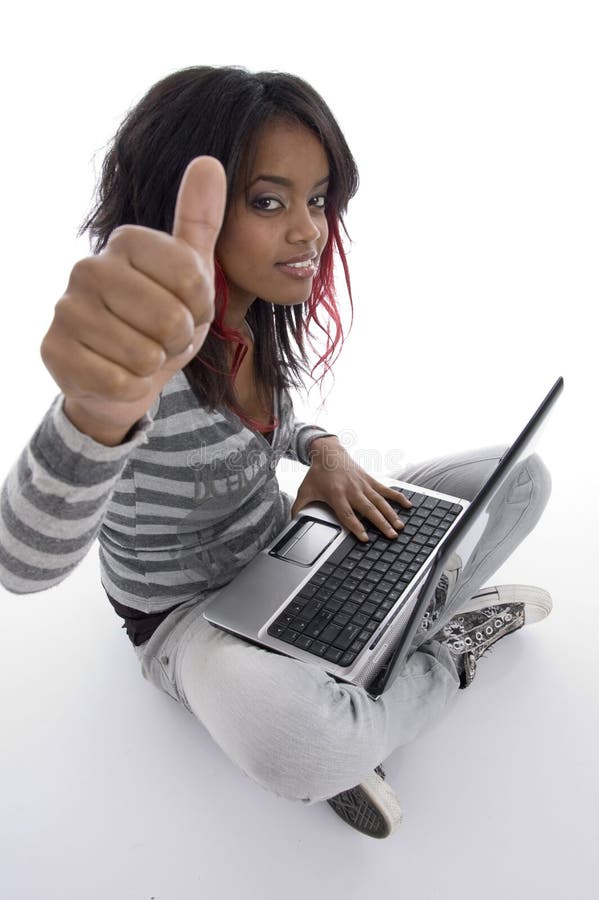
{"x": 302, "y": 227}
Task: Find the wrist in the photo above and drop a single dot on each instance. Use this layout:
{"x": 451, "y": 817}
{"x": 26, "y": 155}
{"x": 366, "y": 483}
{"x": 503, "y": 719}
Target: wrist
{"x": 319, "y": 445}
{"x": 100, "y": 432}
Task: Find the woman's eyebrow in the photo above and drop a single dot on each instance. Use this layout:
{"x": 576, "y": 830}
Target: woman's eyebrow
{"x": 277, "y": 179}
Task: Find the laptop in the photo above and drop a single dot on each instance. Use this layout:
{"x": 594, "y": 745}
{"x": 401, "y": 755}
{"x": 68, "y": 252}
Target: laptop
{"x": 318, "y": 594}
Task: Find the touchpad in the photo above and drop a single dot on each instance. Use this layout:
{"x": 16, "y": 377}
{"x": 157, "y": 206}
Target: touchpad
{"x": 305, "y": 543}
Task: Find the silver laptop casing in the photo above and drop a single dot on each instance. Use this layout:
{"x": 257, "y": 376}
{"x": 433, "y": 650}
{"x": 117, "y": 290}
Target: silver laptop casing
{"x": 249, "y": 604}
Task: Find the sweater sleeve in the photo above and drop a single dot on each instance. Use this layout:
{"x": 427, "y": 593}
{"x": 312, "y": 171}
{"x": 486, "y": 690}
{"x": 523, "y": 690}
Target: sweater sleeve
{"x": 302, "y": 436}
{"x": 54, "y": 498}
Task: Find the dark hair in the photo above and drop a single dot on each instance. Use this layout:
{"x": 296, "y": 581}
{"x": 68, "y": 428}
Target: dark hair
{"x": 219, "y": 111}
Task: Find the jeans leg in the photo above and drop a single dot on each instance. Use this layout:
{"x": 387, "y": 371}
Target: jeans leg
{"x": 293, "y": 728}
{"x": 513, "y": 512}
{"x": 459, "y": 474}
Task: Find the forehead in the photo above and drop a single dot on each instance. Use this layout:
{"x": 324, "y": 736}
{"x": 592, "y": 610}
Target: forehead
{"x": 288, "y": 149}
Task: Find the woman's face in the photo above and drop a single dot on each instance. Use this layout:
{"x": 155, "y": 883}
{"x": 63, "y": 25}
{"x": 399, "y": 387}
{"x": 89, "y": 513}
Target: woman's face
{"x": 280, "y": 220}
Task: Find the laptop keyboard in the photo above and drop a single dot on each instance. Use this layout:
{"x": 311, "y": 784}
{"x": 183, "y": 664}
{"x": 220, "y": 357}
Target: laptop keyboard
{"x": 338, "y": 610}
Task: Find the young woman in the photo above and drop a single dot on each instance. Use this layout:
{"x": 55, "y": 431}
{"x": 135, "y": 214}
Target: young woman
{"x": 219, "y": 215}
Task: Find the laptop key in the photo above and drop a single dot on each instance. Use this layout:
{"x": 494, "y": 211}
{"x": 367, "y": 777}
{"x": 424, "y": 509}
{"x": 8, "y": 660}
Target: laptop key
{"x": 304, "y": 642}
{"x": 351, "y": 607}
{"x": 317, "y": 624}
{"x": 338, "y": 556}
{"x": 311, "y": 608}
{"x": 275, "y": 630}
{"x": 289, "y": 636}
{"x": 333, "y": 604}
{"x": 347, "y": 636}
{"x": 371, "y": 578}
{"x": 351, "y": 583}
{"x": 329, "y": 634}
{"x": 333, "y": 582}
{"x": 347, "y": 658}
{"x": 318, "y": 578}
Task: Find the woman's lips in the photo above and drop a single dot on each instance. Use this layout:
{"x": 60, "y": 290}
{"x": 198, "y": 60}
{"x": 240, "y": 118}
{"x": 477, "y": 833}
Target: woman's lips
{"x": 307, "y": 269}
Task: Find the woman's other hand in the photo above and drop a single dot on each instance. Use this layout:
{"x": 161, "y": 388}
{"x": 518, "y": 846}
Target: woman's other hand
{"x": 335, "y": 478}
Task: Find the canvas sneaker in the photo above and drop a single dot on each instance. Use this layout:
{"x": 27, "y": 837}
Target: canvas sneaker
{"x": 371, "y": 807}
{"x": 471, "y": 634}
{"x": 474, "y": 630}
{"x": 489, "y": 615}
{"x": 536, "y": 601}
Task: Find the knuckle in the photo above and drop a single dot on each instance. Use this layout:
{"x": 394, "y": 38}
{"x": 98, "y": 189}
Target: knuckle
{"x": 48, "y": 350}
{"x": 120, "y": 236}
{"x": 192, "y": 280}
{"x": 64, "y": 323}
{"x": 148, "y": 360}
{"x": 115, "y": 383}
{"x": 175, "y": 324}
{"x": 83, "y": 272}
{"x": 62, "y": 309}
{"x": 195, "y": 287}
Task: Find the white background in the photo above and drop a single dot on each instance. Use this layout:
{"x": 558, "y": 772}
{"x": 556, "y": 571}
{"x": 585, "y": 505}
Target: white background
{"x": 474, "y": 266}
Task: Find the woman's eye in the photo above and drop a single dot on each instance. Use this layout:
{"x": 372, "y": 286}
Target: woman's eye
{"x": 266, "y": 203}
{"x": 321, "y": 201}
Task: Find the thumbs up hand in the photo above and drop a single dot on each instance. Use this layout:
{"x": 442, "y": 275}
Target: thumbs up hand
{"x": 135, "y": 314}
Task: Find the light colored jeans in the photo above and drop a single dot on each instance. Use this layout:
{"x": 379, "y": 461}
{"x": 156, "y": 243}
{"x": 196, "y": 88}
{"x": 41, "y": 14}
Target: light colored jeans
{"x": 287, "y": 724}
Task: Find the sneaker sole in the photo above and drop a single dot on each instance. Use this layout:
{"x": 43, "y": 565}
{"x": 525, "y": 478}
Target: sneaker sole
{"x": 537, "y": 602}
{"x": 371, "y": 807}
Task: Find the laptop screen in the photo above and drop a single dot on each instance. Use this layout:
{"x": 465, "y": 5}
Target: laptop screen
{"x": 460, "y": 546}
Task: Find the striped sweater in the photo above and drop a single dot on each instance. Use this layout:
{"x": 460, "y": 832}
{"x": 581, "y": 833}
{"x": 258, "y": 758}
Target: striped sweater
{"x": 178, "y": 509}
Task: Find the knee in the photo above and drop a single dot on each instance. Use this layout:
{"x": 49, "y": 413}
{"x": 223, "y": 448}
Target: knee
{"x": 531, "y": 483}
{"x": 289, "y": 727}
{"x": 308, "y": 752}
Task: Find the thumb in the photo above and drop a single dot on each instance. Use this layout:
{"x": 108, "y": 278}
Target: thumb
{"x": 200, "y": 205}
